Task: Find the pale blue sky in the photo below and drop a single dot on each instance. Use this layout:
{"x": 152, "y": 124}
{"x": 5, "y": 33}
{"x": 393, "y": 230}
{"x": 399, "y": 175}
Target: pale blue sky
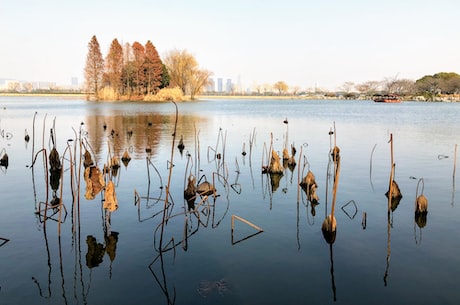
{"x": 302, "y": 42}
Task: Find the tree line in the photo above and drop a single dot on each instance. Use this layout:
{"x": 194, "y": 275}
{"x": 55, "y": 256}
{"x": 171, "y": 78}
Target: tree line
{"x": 429, "y": 86}
{"x": 136, "y": 71}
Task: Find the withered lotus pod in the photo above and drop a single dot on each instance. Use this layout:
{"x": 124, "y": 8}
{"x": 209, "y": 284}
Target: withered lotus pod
{"x": 329, "y": 229}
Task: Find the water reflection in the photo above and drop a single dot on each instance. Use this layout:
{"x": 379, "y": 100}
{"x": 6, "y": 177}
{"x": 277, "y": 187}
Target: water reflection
{"x": 192, "y": 210}
{"x": 140, "y": 133}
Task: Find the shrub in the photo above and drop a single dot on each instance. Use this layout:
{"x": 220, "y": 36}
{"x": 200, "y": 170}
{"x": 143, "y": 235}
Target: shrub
{"x": 108, "y": 94}
{"x": 166, "y": 94}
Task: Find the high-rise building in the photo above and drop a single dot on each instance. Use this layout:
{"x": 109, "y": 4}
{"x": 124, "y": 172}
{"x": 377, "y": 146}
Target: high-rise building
{"x": 210, "y": 86}
{"x": 228, "y": 85}
{"x": 74, "y": 81}
{"x": 220, "y": 85}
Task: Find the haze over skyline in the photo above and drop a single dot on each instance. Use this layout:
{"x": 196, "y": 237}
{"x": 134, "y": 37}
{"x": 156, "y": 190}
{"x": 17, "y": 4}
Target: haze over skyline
{"x": 302, "y": 42}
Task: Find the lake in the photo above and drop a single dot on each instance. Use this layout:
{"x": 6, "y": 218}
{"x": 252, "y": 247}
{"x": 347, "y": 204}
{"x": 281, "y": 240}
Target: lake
{"x": 257, "y": 239}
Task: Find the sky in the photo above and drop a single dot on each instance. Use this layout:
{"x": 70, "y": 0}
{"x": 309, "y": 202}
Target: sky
{"x": 305, "y": 43}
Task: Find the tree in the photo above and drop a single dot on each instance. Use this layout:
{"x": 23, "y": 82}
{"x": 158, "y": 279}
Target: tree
{"x": 184, "y": 72}
{"x": 389, "y": 84}
{"x": 198, "y": 80}
{"x": 347, "y": 87}
{"x": 368, "y": 88}
{"x": 281, "y": 86}
{"x": 114, "y": 66}
{"x": 449, "y": 82}
{"x": 128, "y": 70}
{"x": 443, "y": 82}
{"x": 295, "y": 90}
{"x": 165, "y": 78}
{"x": 94, "y": 68}
{"x": 138, "y": 65}
{"x": 428, "y": 86}
{"x": 153, "y": 68}
{"x": 404, "y": 87}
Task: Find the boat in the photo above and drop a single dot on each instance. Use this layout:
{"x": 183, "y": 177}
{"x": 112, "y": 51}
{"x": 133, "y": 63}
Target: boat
{"x": 386, "y": 98}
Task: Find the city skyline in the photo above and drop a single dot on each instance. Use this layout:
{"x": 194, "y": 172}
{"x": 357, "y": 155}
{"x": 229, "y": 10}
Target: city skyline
{"x": 303, "y": 43}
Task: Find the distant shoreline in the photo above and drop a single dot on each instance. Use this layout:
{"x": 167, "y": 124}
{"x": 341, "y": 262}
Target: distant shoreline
{"x": 73, "y": 95}
{"x": 445, "y": 98}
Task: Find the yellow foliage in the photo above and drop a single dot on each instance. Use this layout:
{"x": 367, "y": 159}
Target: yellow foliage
{"x": 108, "y": 94}
{"x": 166, "y": 94}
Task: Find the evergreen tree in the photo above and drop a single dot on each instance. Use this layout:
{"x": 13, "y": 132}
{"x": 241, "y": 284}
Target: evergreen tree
{"x": 165, "y": 78}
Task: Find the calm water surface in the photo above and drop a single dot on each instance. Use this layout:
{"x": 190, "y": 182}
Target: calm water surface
{"x": 92, "y": 256}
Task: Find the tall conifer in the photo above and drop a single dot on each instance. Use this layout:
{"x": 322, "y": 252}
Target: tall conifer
{"x": 94, "y": 68}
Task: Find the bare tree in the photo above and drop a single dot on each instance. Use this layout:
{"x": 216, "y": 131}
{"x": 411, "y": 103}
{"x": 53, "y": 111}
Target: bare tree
{"x": 404, "y": 87}
{"x": 198, "y": 79}
{"x": 347, "y": 87}
{"x": 389, "y": 84}
{"x": 368, "y": 88}
{"x": 295, "y": 90}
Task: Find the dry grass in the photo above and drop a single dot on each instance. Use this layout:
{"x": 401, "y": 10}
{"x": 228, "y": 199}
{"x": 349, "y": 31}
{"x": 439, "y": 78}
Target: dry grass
{"x": 166, "y": 94}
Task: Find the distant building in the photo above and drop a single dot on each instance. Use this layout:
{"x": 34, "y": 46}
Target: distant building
{"x": 228, "y": 86}
{"x": 42, "y": 85}
{"x": 10, "y": 85}
{"x": 211, "y": 86}
{"x": 220, "y": 85}
{"x": 74, "y": 81}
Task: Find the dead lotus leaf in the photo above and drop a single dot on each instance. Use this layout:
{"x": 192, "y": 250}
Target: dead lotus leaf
{"x": 275, "y": 165}
{"x": 110, "y": 202}
{"x": 94, "y": 182}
